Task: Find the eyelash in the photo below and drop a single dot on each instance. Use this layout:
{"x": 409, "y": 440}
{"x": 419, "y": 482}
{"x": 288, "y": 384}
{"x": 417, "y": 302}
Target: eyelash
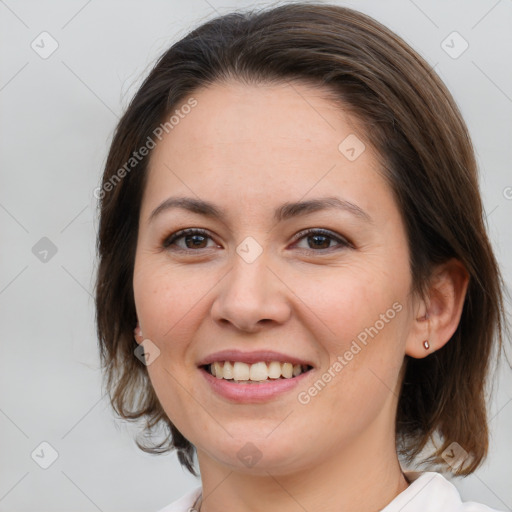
{"x": 343, "y": 243}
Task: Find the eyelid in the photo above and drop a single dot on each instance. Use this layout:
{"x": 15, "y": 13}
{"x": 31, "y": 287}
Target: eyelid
{"x": 169, "y": 239}
{"x": 340, "y": 239}
{"x": 326, "y": 232}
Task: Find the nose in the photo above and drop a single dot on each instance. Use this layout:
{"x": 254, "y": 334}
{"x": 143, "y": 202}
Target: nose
{"x": 251, "y": 296}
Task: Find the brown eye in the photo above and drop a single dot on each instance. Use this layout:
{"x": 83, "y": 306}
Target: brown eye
{"x": 192, "y": 239}
{"x": 321, "y": 239}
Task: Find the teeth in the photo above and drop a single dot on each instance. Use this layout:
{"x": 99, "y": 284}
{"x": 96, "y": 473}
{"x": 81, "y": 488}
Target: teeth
{"x": 241, "y": 371}
{"x": 256, "y": 372}
{"x": 217, "y": 370}
{"x": 274, "y": 370}
{"x": 287, "y": 370}
{"x": 228, "y": 372}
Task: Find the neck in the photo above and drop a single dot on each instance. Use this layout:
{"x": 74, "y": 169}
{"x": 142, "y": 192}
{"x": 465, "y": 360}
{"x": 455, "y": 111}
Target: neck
{"x": 359, "y": 477}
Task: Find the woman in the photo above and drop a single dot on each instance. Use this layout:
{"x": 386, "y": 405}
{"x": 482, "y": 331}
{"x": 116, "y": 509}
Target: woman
{"x": 292, "y": 231}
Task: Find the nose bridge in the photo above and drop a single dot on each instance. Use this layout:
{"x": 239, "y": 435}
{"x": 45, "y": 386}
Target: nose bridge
{"x": 251, "y": 294}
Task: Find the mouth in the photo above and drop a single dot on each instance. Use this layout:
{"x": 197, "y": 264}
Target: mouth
{"x": 256, "y": 373}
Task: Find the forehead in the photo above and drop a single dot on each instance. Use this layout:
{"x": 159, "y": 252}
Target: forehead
{"x": 259, "y": 141}
{"x": 276, "y": 115}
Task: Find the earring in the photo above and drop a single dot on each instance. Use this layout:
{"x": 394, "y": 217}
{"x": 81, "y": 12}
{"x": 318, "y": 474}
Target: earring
{"x": 426, "y": 344}
{"x": 138, "y": 331}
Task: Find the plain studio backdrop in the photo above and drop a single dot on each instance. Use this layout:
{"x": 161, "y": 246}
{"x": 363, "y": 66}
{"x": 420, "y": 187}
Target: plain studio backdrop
{"x": 68, "y": 70}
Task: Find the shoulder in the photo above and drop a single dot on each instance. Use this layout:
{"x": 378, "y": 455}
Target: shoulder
{"x": 432, "y": 492}
{"x": 184, "y": 503}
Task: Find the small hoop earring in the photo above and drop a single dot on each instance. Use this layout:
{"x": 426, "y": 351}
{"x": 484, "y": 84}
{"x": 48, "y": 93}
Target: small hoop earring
{"x": 426, "y": 345}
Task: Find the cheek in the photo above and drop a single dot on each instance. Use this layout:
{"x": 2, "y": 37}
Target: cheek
{"x": 362, "y": 320}
{"x": 167, "y": 299}
{"x": 168, "y": 303}
{"x": 348, "y": 300}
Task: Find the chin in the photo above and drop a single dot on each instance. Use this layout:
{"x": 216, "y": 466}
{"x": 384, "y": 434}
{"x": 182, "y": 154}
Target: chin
{"x": 259, "y": 455}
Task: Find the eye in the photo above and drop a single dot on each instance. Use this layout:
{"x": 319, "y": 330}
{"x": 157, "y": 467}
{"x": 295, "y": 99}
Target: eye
{"x": 193, "y": 238}
{"x": 321, "y": 239}
{"x": 196, "y": 238}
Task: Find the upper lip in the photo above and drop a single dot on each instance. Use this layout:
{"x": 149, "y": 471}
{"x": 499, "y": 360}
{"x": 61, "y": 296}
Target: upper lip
{"x": 251, "y": 357}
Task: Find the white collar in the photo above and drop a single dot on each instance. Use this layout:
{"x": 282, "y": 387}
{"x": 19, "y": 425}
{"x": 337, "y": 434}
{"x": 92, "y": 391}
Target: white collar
{"x": 427, "y": 492}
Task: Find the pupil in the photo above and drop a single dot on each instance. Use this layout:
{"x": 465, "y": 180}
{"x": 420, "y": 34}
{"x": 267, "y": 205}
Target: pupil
{"x": 319, "y": 240}
{"x": 317, "y": 237}
{"x": 195, "y": 238}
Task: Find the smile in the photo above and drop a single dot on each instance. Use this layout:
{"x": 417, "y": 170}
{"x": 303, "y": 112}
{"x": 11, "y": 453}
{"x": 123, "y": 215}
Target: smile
{"x": 243, "y": 373}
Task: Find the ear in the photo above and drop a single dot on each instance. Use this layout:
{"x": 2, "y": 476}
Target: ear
{"x": 439, "y": 314}
{"x": 137, "y": 333}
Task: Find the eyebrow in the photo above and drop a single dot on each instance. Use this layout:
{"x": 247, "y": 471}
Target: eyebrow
{"x": 283, "y": 212}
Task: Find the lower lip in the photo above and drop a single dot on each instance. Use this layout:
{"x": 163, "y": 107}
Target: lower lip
{"x": 252, "y": 393}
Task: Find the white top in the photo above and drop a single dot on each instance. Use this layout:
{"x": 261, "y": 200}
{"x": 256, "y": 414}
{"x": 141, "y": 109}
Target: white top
{"x": 428, "y": 492}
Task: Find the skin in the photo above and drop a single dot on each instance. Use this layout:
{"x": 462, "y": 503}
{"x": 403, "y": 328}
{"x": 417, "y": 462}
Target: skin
{"x": 249, "y": 149}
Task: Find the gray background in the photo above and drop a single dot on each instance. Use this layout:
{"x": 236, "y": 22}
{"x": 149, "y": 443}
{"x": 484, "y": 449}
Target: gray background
{"x": 57, "y": 118}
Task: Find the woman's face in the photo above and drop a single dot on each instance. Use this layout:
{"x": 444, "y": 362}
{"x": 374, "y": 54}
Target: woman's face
{"x": 254, "y": 284}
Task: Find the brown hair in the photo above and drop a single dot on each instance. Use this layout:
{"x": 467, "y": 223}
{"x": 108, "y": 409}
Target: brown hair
{"x": 410, "y": 119}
